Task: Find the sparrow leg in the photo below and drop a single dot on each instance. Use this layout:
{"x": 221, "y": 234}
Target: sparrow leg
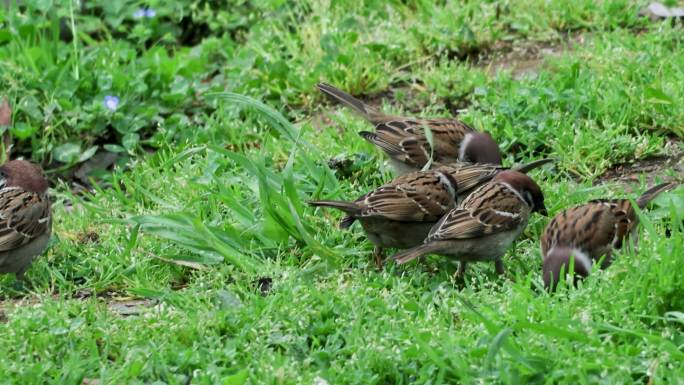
{"x": 499, "y": 266}
{"x": 608, "y": 260}
{"x": 20, "y": 282}
{"x": 378, "y": 254}
{"x": 461, "y": 269}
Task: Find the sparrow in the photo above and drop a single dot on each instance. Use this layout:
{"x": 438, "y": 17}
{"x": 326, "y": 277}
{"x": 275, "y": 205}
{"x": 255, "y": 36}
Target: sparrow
{"x": 25, "y": 216}
{"x": 404, "y": 141}
{"x": 485, "y": 224}
{"x": 586, "y": 233}
{"x": 401, "y": 213}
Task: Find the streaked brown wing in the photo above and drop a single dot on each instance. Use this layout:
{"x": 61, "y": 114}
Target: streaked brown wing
{"x": 405, "y": 145}
{"x": 448, "y": 135}
{"x": 23, "y": 216}
{"x": 625, "y": 221}
{"x": 595, "y": 227}
{"x": 469, "y": 176}
{"x": 405, "y": 140}
{"x": 420, "y": 198}
{"x": 490, "y": 209}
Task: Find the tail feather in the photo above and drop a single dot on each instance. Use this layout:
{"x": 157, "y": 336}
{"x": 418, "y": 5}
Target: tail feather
{"x": 387, "y": 146}
{"x": 347, "y": 221}
{"x": 348, "y": 100}
{"x": 416, "y": 252}
{"x": 653, "y": 192}
{"x": 350, "y": 208}
{"x": 525, "y": 168}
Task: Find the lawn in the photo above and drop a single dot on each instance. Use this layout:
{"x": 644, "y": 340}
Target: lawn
{"x": 182, "y": 141}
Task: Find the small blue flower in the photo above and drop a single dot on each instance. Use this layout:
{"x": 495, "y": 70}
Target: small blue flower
{"x": 144, "y": 13}
{"x": 111, "y": 102}
{"x": 139, "y": 14}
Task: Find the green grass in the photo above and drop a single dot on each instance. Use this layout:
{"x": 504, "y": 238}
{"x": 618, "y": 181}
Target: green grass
{"x": 222, "y": 139}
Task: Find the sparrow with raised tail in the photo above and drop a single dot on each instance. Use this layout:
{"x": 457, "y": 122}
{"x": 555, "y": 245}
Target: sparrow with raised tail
{"x": 586, "y": 233}
{"x": 25, "y": 210}
{"x": 485, "y": 224}
{"x": 404, "y": 140}
{"x": 401, "y": 213}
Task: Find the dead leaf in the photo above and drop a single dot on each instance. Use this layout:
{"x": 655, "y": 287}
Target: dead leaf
{"x": 5, "y": 113}
{"x": 102, "y": 160}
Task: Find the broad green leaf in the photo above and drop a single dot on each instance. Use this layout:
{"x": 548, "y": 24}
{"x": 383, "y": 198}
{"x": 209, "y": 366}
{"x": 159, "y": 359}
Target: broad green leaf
{"x": 67, "y": 153}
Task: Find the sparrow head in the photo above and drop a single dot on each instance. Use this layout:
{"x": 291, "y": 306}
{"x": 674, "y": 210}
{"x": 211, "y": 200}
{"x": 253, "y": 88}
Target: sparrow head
{"x": 528, "y": 189}
{"x": 557, "y": 259}
{"x": 479, "y": 147}
{"x": 20, "y": 173}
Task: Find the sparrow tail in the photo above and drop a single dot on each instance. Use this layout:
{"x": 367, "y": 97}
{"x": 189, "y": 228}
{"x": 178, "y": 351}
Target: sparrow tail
{"x": 347, "y": 221}
{"x": 525, "y": 168}
{"x": 348, "y": 207}
{"x": 385, "y": 145}
{"x": 348, "y": 100}
{"x": 653, "y": 192}
{"x": 416, "y": 252}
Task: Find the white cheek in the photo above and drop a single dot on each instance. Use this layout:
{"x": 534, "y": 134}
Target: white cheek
{"x": 447, "y": 183}
{"x": 582, "y": 258}
{"x": 464, "y": 145}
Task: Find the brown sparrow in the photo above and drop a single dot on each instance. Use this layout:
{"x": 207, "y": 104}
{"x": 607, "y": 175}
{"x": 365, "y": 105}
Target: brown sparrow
{"x": 485, "y": 224}
{"x": 25, "y": 216}
{"x": 588, "y": 232}
{"x": 401, "y": 213}
{"x": 404, "y": 140}
{"x": 25, "y": 219}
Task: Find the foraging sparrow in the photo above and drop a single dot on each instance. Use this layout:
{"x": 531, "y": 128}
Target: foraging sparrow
{"x": 401, "y": 213}
{"x": 404, "y": 140}
{"x": 25, "y": 216}
{"x": 485, "y": 224}
{"x": 588, "y": 232}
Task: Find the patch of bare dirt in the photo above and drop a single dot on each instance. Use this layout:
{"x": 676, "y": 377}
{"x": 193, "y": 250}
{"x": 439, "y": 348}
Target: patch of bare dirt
{"x": 521, "y": 57}
{"x": 321, "y": 119}
{"x": 526, "y": 58}
{"x": 654, "y": 169}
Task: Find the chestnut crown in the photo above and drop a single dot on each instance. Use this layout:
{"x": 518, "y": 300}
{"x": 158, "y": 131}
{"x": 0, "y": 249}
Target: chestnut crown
{"x": 481, "y": 148}
{"x": 528, "y": 189}
{"x": 23, "y": 174}
{"x": 559, "y": 259}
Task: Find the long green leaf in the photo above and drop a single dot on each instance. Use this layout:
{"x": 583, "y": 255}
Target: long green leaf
{"x": 274, "y": 118}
